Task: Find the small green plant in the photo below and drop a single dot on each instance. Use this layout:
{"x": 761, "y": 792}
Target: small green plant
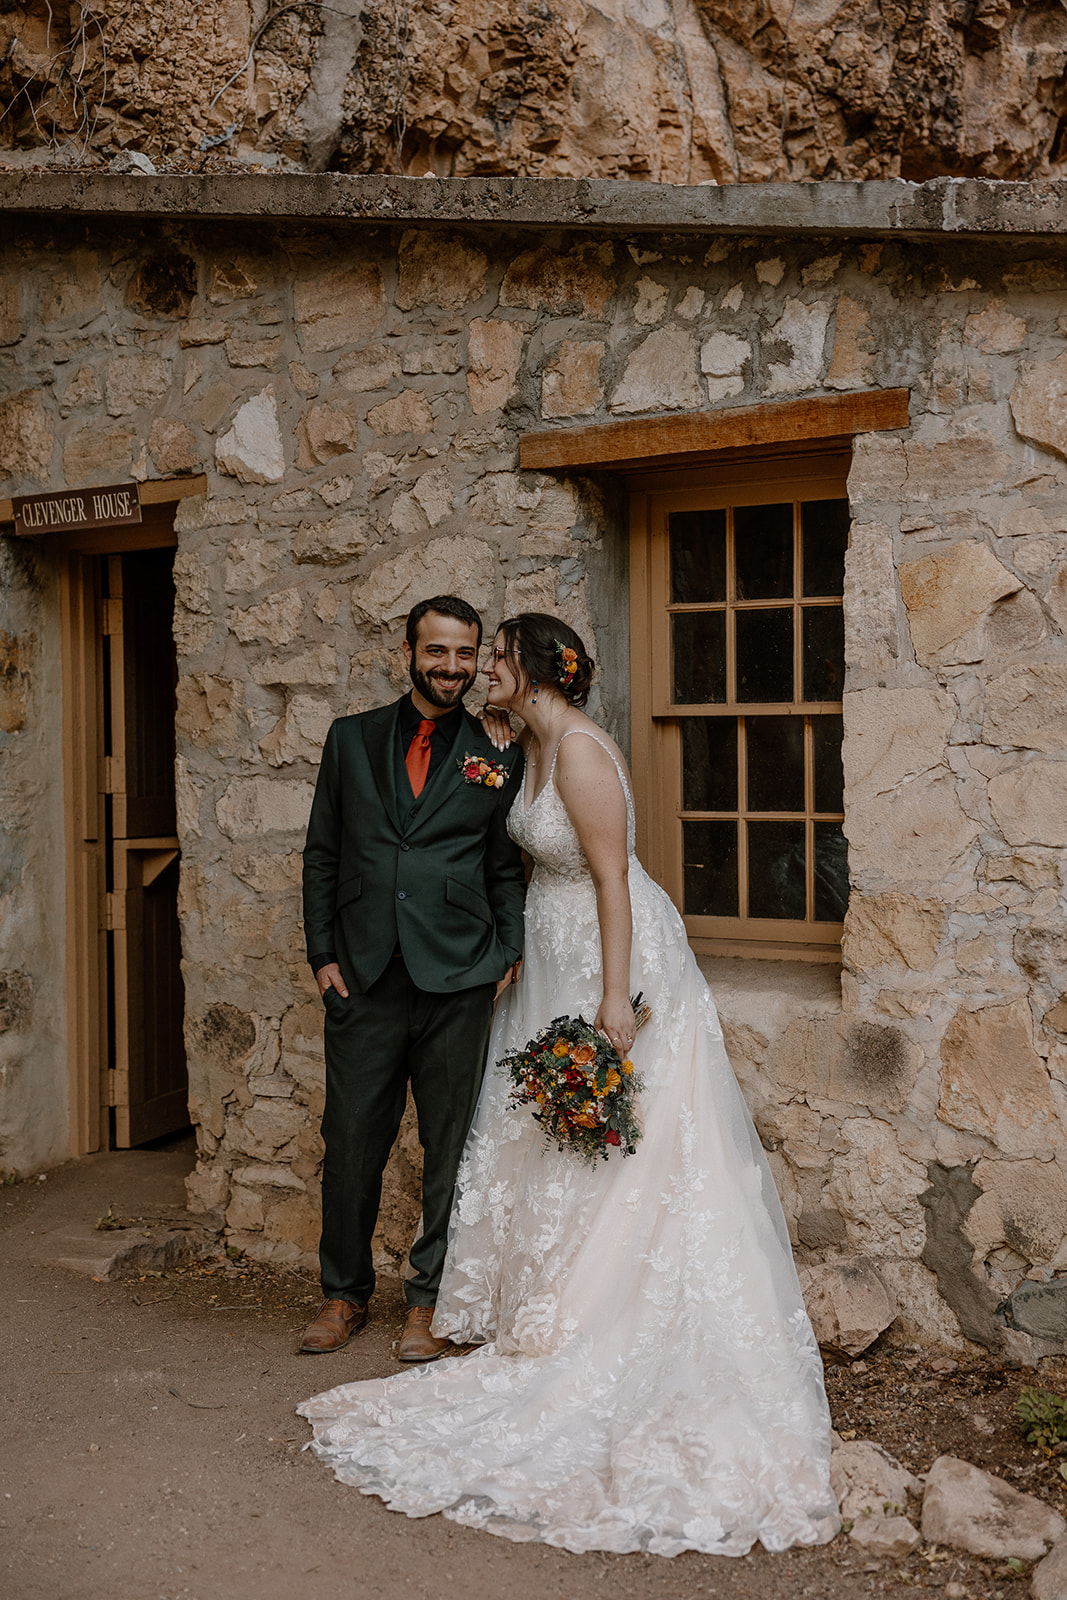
{"x": 110, "y": 1222}
{"x": 1042, "y": 1417}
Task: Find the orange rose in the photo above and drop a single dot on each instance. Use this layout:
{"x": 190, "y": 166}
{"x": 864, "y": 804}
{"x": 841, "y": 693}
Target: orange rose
{"x": 583, "y": 1054}
{"x": 561, "y": 1048}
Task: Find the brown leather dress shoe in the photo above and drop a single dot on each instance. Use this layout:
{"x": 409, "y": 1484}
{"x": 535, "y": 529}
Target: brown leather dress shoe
{"x": 417, "y": 1343}
{"x": 335, "y": 1324}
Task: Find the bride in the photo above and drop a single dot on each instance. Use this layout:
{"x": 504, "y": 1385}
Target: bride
{"x": 646, "y": 1377}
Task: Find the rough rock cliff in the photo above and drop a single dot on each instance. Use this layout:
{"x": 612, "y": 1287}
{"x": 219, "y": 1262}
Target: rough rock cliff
{"x": 682, "y": 91}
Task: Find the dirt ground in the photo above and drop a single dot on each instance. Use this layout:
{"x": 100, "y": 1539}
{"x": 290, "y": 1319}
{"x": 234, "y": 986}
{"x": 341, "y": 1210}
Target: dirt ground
{"x": 150, "y": 1449}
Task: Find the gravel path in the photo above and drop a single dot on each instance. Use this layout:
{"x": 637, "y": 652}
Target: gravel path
{"x": 151, "y": 1451}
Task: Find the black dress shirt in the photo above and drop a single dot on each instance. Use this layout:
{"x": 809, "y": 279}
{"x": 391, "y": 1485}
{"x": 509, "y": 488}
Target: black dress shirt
{"x": 443, "y": 737}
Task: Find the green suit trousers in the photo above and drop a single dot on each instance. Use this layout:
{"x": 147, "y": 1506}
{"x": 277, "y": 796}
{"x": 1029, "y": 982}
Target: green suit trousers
{"x": 375, "y": 1043}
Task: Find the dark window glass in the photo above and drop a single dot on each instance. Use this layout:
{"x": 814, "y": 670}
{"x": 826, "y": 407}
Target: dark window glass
{"x": 776, "y": 870}
{"x": 764, "y": 655}
{"x": 698, "y": 556}
{"x": 709, "y": 852}
{"x": 826, "y": 734}
{"x": 824, "y": 652}
{"x": 709, "y": 764}
{"x": 831, "y": 872}
{"x": 699, "y": 657}
{"x": 763, "y": 552}
{"x": 775, "y": 763}
{"x": 824, "y": 524}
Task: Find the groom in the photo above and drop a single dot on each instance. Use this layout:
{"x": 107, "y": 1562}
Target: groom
{"x": 413, "y": 897}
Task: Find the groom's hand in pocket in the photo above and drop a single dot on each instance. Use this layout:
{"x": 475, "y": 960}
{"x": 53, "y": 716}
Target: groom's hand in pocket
{"x": 329, "y": 977}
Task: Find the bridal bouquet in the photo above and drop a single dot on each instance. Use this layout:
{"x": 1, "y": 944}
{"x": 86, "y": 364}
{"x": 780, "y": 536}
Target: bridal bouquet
{"x": 582, "y": 1094}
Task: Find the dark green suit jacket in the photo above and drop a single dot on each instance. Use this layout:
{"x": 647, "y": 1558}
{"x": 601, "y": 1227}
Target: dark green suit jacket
{"x": 437, "y": 876}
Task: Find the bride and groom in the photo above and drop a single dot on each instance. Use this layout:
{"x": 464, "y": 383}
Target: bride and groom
{"x": 645, "y": 1376}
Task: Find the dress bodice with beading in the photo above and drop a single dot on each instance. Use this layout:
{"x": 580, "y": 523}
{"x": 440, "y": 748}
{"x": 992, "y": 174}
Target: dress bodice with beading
{"x": 544, "y": 830}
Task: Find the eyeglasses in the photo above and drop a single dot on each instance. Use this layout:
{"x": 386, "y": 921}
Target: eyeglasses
{"x": 494, "y": 655}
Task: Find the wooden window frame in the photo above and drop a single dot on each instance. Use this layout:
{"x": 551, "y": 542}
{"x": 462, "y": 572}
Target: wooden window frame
{"x": 752, "y": 478}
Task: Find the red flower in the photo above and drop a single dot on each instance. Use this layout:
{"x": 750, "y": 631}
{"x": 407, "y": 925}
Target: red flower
{"x": 471, "y": 770}
{"x": 611, "y": 1137}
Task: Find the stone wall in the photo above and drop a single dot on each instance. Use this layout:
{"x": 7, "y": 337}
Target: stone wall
{"x": 356, "y": 398}
{"x": 677, "y": 91}
{"x": 33, "y": 1068}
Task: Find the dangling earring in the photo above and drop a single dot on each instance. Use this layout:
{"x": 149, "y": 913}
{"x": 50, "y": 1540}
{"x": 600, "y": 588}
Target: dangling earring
{"x": 533, "y": 700}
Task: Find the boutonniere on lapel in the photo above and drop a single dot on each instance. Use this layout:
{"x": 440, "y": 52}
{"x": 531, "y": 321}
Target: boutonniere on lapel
{"x": 476, "y": 769}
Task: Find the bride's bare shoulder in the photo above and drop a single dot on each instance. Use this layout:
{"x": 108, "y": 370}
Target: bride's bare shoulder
{"x": 595, "y": 751}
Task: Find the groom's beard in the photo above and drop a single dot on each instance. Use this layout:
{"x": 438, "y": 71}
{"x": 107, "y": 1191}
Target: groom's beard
{"x": 444, "y": 689}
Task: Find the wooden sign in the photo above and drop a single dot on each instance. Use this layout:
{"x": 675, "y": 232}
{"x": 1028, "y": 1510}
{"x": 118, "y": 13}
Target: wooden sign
{"x": 76, "y": 508}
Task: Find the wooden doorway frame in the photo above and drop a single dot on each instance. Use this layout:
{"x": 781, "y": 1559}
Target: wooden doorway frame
{"x": 83, "y": 786}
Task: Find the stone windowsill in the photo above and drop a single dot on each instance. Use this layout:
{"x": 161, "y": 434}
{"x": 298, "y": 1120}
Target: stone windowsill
{"x": 759, "y": 1000}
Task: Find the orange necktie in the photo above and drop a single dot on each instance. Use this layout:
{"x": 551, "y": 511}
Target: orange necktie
{"x": 417, "y": 759}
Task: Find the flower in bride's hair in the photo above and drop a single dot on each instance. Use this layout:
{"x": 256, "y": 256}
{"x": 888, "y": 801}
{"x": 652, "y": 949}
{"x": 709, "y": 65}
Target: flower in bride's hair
{"x": 566, "y": 662}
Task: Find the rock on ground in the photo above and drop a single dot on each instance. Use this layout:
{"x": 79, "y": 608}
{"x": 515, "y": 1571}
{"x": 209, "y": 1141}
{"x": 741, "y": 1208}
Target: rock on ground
{"x": 848, "y": 1304}
{"x": 867, "y": 1480}
{"x": 974, "y": 1511}
{"x": 890, "y": 1538}
{"x": 1048, "y": 1581}
{"x": 872, "y": 1488}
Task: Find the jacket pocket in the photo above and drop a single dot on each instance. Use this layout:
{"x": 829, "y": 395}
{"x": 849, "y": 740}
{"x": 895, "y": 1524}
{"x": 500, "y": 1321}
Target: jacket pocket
{"x": 348, "y": 889}
{"x": 468, "y": 899}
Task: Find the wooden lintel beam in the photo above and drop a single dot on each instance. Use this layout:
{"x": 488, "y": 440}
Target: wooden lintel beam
{"x": 161, "y": 491}
{"x": 648, "y": 440}
{"x": 154, "y": 492}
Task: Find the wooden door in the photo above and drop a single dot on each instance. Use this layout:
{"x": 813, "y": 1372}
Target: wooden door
{"x": 146, "y": 995}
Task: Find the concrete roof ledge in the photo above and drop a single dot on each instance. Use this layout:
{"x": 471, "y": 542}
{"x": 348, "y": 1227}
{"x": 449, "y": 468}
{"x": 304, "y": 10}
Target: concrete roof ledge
{"x": 892, "y": 207}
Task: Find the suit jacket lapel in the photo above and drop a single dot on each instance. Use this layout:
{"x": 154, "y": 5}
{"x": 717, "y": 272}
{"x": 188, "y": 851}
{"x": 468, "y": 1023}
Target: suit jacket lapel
{"x": 447, "y": 779}
{"x": 379, "y": 740}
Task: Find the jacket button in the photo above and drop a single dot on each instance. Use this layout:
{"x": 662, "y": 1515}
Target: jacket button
{"x": 401, "y": 895}
{"x": 405, "y": 847}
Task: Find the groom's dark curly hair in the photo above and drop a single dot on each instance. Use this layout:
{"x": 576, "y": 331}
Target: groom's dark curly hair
{"x": 537, "y": 639}
{"x": 445, "y": 605}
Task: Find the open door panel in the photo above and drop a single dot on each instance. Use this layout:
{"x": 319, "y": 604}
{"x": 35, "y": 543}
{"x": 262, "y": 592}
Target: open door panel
{"x": 149, "y": 1079}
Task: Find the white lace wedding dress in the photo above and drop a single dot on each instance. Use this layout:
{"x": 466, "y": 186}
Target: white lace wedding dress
{"x": 649, "y": 1379}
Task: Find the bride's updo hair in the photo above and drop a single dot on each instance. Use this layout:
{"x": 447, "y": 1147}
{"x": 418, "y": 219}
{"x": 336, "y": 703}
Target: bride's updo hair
{"x": 539, "y": 642}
